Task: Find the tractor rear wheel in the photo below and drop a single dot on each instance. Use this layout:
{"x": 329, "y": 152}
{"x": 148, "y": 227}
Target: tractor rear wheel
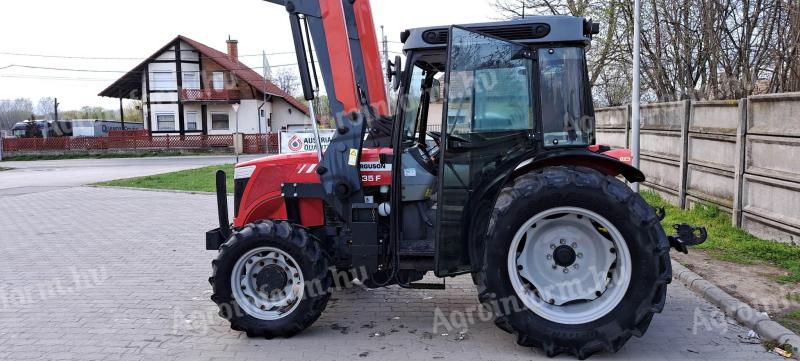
{"x": 271, "y": 279}
{"x": 574, "y": 262}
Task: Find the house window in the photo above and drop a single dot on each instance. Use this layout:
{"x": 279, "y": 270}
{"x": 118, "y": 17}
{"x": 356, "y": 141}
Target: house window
{"x": 220, "y": 121}
{"x": 166, "y": 121}
{"x": 261, "y": 113}
{"x": 191, "y": 120}
{"x": 218, "y": 78}
{"x": 163, "y": 80}
{"x": 191, "y": 80}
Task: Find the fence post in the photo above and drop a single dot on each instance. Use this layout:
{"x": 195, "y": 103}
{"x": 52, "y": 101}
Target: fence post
{"x": 628, "y": 126}
{"x": 684, "y": 156}
{"x": 167, "y": 141}
{"x": 739, "y": 165}
{"x": 1, "y": 147}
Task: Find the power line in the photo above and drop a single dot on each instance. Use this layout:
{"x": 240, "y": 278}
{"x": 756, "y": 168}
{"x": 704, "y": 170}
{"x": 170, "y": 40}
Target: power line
{"x": 51, "y": 77}
{"x": 64, "y": 69}
{"x": 37, "y": 77}
{"x": 120, "y": 58}
{"x": 124, "y": 71}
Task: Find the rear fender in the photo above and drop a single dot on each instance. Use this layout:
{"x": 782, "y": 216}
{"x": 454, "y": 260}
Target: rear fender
{"x": 609, "y": 163}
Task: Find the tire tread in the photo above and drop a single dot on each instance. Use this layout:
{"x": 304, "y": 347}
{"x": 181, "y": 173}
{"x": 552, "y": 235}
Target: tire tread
{"x": 559, "y": 177}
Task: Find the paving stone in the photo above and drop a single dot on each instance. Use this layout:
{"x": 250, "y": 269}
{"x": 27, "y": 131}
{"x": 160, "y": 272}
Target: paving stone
{"x": 122, "y": 274}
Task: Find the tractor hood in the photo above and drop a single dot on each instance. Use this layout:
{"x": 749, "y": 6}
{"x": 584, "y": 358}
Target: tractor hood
{"x": 258, "y": 182}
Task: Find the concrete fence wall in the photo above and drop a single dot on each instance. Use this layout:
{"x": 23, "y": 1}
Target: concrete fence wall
{"x": 742, "y": 156}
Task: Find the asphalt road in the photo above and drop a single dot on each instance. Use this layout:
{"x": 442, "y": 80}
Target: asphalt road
{"x": 46, "y": 175}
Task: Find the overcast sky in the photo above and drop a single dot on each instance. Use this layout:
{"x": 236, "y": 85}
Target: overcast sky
{"x": 136, "y": 29}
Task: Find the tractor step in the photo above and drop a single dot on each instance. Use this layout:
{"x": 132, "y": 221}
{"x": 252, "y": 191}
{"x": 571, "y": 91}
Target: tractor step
{"x": 427, "y": 286}
{"x": 422, "y": 247}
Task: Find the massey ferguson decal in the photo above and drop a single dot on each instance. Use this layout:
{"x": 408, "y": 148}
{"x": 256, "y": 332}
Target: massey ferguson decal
{"x": 375, "y": 167}
{"x": 372, "y": 173}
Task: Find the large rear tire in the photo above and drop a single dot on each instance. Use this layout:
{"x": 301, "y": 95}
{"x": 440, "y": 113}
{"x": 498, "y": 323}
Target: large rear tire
{"x": 271, "y": 279}
{"x": 592, "y": 231}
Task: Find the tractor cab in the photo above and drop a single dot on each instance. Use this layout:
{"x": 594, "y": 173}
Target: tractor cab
{"x": 490, "y": 97}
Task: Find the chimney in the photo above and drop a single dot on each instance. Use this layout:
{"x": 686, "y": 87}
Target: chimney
{"x": 233, "y": 49}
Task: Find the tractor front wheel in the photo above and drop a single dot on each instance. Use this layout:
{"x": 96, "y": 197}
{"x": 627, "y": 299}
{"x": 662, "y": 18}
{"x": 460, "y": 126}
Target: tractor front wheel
{"x": 271, "y": 279}
{"x": 575, "y": 262}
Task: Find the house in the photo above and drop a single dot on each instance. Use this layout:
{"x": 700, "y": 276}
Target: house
{"x": 190, "y": 88}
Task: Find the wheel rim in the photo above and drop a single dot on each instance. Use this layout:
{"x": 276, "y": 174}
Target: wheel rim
{"x": 569, "y": 265}
{"x": 267, "y": 283}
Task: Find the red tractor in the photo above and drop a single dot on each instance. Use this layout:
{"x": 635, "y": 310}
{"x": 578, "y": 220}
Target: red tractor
{"x": 513, "y": 190}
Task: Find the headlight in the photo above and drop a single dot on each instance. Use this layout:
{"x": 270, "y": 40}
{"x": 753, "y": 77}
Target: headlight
{"x": 244, "y": 172}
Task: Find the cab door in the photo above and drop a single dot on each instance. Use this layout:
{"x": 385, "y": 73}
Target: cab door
{"x": 488, "y": 129}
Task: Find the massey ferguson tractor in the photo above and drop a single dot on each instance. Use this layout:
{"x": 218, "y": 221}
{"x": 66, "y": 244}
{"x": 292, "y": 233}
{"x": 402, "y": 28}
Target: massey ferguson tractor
{"x": 512, "y": 190}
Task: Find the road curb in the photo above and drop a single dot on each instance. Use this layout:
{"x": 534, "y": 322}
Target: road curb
{"x": 157, "y": 190}
{"x": 740, "y": 311}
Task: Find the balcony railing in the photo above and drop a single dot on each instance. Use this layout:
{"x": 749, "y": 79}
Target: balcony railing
{"x": 202, "y": 95}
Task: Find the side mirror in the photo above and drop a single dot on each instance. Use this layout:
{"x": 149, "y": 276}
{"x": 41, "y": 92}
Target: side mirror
{"x": 436, "y": 89}
{"x": 394, "y": 71}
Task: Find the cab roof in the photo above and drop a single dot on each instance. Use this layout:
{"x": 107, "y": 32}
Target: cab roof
{"x": 528, "y": 31}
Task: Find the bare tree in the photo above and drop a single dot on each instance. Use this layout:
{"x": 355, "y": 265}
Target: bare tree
{"x": 133, "y": 112}
{"x": 287, "y": 80}
{"x": 691, "y": 49}
{"x": 13, "y": 111}
{"x": 787, "y": 55}
{"x": 607, "y": 51}
{"x": 45, "y": 107}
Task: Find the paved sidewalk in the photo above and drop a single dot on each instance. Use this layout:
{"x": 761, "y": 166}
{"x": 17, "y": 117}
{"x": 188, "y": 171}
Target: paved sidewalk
{"x": 88, "y": 273}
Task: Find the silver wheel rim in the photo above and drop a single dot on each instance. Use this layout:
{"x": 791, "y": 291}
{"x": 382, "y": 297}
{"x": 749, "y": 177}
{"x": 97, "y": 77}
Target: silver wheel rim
{"x": 559, "y": 291}
{"x": 261, "y": 303}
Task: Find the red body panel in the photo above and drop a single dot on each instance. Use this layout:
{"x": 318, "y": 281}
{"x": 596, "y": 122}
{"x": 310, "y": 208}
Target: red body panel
{"x": 371, "y": 56}
{"x": 623, "y": 155}
{"x": 262, "y": 197}
{"x": 339, "y": 54}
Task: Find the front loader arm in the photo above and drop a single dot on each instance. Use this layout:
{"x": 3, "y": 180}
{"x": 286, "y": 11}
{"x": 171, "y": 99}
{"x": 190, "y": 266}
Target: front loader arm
{"x": 346, "y": 49}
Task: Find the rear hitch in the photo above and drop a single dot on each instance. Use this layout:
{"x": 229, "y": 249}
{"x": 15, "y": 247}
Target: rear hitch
{"x": 685, "y": 236}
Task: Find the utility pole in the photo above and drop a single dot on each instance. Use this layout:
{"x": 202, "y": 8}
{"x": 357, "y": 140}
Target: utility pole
{"x": 267, "y": 78}
{"x": 635, "y": 106}
{"x": 523, "y": 8}
{"x": 385, "y": 54}
{"x": 121, "y": 114}
{"x": 55, "y": 109}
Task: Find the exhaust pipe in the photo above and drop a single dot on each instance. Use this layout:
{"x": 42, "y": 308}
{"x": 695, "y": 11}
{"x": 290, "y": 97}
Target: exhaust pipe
{"x": 222, "y": 204}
